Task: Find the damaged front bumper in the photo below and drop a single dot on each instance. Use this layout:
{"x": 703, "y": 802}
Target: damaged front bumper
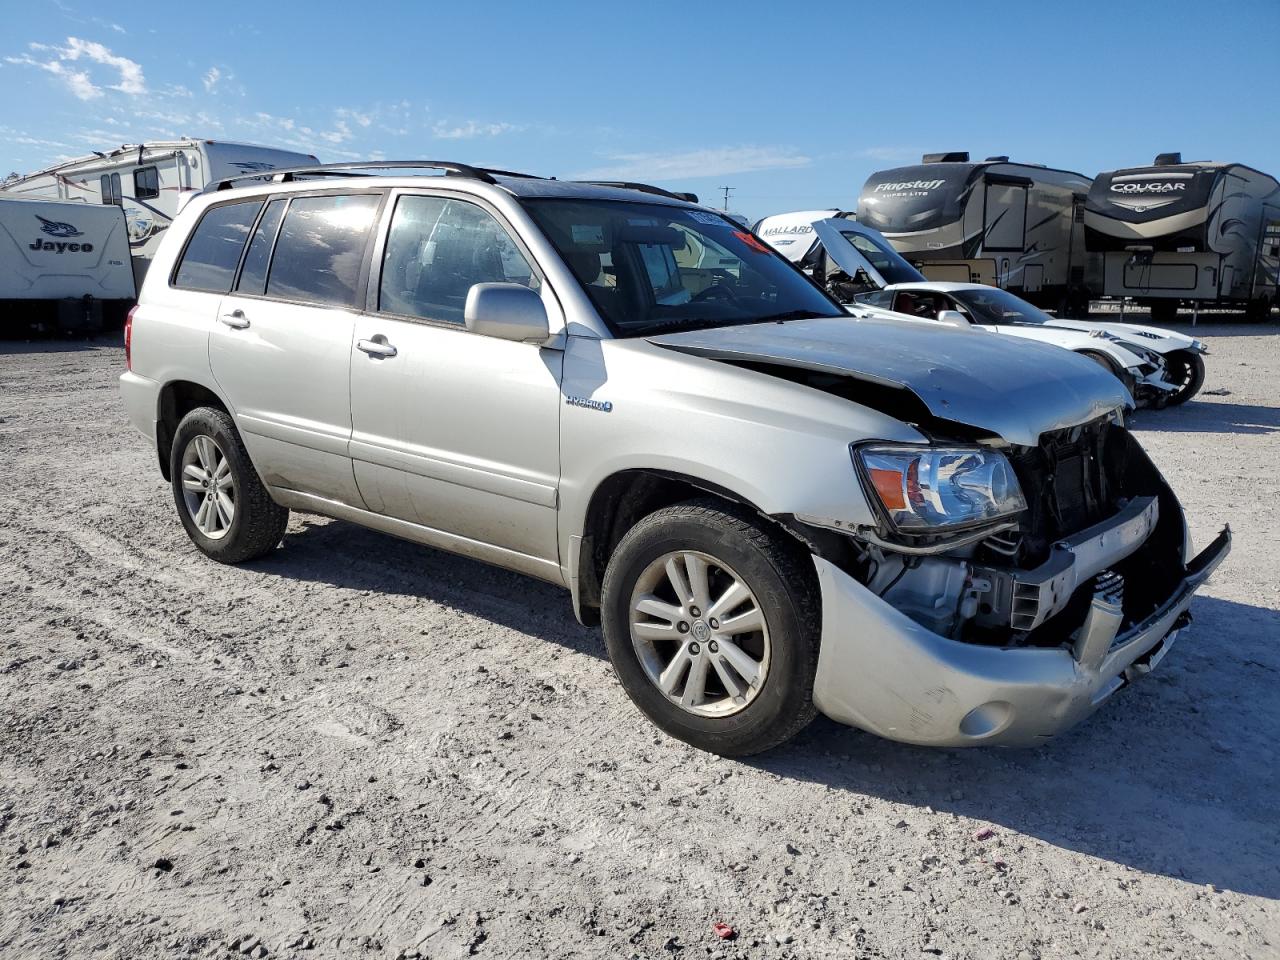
{"x": 883, "y": 672}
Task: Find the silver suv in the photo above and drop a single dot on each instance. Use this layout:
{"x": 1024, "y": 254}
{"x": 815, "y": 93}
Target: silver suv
{"x": 772, "y": 507}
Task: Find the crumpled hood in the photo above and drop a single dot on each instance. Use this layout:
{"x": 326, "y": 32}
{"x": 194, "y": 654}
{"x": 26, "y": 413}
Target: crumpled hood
{"x": 1012, "y": 388}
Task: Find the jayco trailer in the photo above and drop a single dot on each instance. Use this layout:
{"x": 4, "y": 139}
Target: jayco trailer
{"x": 1011, "y": 225}
{"x": 62, "y": 265}
{"x": 1202, "y": 232}
{"x": 151, "y": 181}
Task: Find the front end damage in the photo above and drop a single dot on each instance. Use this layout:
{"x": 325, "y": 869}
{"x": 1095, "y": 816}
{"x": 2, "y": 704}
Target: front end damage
{"x": 1011, "y": 634}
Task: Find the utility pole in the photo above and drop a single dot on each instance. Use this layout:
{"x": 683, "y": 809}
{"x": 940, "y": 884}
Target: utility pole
{"x": 727, "y": 191}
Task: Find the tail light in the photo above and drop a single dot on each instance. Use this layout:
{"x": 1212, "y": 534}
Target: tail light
{"x": 128, "y": 339}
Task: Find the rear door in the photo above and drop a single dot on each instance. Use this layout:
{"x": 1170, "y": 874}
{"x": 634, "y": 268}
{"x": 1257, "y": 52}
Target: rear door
{"x": 281, "y": 343}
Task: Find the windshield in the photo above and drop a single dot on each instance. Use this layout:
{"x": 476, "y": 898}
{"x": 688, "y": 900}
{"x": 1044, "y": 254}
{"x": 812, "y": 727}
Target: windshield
{"x": 992, "y": 305}
{"x": 652, "y": 268}
{"x": 887, "y": 261}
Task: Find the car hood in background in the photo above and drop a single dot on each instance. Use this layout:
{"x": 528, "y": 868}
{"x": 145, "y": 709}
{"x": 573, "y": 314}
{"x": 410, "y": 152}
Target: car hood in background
{"x": 1153, "y": 338}
{"x": 1012, "y": 388}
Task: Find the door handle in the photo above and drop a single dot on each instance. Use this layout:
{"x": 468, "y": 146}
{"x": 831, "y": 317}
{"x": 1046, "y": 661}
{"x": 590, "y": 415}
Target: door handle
{"x": 377, "y": 347}
{"x": 236, "y": 319}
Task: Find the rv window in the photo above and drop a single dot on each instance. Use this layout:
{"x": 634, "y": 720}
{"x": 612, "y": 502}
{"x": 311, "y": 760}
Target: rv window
{"x": 253, "y": 274}
{"x": 109, "y": 183}
{"x": 146, "y": 183}
{"x": 320, "y": 249}
{"x": 436, "y": 250}
{"x": 209, "y": 262}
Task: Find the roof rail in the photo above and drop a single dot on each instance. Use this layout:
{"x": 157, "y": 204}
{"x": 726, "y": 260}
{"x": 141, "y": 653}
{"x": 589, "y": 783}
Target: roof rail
{"x": 643, "y": 188}
{"x": 346, "y": 169}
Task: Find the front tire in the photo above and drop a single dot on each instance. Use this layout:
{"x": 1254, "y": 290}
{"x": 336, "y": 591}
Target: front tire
{"x": 711, "y": 619}
{"x": 1186, "y": 370}
{"x": 222, "y": 503}
{"x": 1110, "y": 365}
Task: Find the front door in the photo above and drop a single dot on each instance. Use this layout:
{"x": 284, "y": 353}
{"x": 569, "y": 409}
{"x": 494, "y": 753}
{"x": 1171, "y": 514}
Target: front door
{"x": 281, "y": 343}
{"x": 452, "y": 431}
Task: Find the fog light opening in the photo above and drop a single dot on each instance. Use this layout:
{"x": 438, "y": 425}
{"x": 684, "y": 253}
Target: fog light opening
{"x": 988, "y": 719}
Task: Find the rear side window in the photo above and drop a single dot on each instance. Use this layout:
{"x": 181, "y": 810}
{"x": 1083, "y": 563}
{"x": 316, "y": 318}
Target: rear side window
{"x": 320, "y": 249}
{"x": 253, "y": 275}
{"x": 212, "y": 253}
{"x": 146, "y": 183}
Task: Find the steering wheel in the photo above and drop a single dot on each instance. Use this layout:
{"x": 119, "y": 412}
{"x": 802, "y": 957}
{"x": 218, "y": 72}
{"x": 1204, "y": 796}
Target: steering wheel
{"x": 714, "y": 293}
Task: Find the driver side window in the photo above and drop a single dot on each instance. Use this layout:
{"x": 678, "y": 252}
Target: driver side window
{"x": 437, "y": 249}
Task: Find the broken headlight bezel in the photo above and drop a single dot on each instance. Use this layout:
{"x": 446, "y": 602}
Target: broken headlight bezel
{"x": 922, "y": 490}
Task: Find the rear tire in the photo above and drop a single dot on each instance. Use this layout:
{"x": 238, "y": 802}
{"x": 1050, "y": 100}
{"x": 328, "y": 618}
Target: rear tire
{"x": 222, "y": 503}
{"x": 1186, "y": 370}
{"x": 656, "y": 637}
{"x": 1258, "y": 311}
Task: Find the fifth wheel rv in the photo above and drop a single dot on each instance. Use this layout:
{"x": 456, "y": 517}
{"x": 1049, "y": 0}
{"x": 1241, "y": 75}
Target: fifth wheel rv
{"x": 151, "y": 181}
{"x": 1011, "y": 225}
{"x": 1201, "y": 233}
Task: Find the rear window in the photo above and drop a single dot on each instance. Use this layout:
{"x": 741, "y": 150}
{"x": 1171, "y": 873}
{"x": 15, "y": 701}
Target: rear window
{"x": 209, "y": 262}
{"x": 320, "y": 250}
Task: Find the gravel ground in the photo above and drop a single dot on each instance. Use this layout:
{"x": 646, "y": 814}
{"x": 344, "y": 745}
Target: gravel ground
{"x": 360, "y": 747}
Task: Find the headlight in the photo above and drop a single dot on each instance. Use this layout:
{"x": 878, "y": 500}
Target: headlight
{"x": 923, "y": 489}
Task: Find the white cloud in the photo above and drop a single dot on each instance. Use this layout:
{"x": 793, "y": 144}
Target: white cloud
{"x": 80, "y": 82}
{"x": 890, "y": 153}
{"x": 210, "y": 79}
{"x": 710, "y": 162}
{"x": 471, "y": 129}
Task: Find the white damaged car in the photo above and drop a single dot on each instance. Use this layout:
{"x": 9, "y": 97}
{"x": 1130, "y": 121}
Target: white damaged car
{"x": 859, "y": 266}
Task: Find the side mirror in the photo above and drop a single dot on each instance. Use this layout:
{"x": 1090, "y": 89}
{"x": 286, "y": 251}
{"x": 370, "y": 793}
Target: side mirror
{"x": 507, "y": 311}
{"x": 953, "y": 318}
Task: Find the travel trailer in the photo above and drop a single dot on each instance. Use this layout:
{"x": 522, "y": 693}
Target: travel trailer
{"x": 1200, "y": 233}
{"x": 150, "y": 181}
{"x": 62, "y": 266}
{"x": 1010, "y": 225}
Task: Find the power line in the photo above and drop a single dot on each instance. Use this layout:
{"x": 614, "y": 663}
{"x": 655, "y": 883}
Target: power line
{"x": 727, "y": 191}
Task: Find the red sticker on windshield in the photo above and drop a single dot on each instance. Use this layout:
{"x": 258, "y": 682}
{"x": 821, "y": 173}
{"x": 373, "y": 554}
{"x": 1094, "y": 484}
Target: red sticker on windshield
{"x": 751, "y": 241}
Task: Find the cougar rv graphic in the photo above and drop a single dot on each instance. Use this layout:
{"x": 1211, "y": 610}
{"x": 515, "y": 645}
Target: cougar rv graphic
{"x": 55, "y": 228}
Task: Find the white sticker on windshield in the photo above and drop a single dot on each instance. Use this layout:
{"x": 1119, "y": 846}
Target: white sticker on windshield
{"x": 587, "y": 233}
{"x": 710, "y": 218}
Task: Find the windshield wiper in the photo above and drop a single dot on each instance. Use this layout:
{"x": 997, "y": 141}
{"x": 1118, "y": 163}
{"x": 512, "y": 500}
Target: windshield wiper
{"x": 788, "y": 315}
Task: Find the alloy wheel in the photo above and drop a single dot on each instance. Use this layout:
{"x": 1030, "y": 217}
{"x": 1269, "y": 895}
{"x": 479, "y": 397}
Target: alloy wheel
{"x": 700, "y": 634}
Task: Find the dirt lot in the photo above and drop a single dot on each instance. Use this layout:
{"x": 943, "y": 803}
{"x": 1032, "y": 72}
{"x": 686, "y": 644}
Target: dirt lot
{"x": 360, "y": 747}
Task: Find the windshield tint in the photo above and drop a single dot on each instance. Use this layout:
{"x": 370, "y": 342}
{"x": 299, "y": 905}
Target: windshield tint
{"x": 887, "y": 261}
{"x": 651, "y": 267}
{"x": 992, "y": 305}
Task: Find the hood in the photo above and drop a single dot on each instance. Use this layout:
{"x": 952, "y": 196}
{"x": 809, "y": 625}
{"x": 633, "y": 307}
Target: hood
{"x": 1011, "y": 388}
{"x": 1153, "y": 338}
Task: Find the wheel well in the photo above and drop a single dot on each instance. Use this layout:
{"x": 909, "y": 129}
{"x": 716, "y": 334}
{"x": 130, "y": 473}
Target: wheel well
{"x": 621, "y": 501}
{"x": 177, "y": 399}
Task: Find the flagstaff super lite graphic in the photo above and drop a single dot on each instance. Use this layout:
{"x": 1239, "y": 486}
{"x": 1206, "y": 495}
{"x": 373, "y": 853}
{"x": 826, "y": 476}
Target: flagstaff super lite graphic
{"x": 62, "y": 265}
{"x": 150, "y": 181}
{"x": 1204, "y": 233}
{"x": 1011, "y": 225}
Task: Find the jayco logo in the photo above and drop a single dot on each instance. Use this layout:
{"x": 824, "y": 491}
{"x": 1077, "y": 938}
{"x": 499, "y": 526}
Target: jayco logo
{"x": 1155, "y": 186}
{"x": 55, "y": 228}
{"x": 909, "y": 185}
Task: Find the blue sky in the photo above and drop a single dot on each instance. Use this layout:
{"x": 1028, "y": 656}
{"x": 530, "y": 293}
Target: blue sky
{"x": 793, "y": 104}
